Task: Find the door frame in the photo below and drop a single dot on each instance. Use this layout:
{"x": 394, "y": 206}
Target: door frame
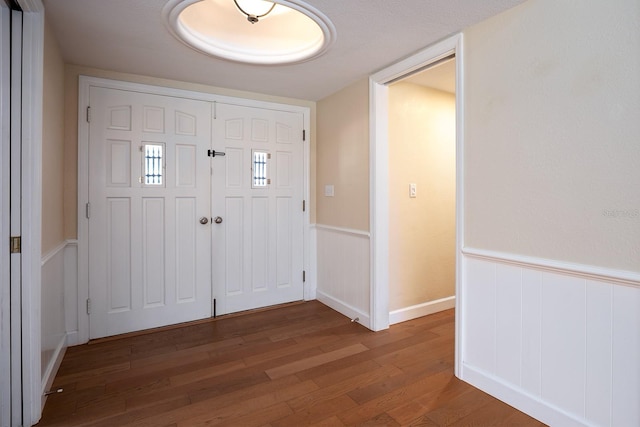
{"x": 27, "y": 396}
{"x": 31, "y": 206}
{"x": 85, "y": 83}
{"x": 379, "y": 178}
{"x": 6, "y": 392}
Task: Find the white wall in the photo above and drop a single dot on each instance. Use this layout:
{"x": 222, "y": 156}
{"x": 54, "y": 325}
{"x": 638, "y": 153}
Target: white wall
{"x": 551, "y": 290}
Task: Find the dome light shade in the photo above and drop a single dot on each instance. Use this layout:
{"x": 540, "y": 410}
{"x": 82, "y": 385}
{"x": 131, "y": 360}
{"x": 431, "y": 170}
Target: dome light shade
{"x": 289, "y": 31}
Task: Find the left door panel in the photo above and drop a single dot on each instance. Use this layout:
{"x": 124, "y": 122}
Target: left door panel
{"x": 149, "y": 186}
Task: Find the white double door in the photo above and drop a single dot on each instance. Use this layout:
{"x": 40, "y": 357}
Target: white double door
{"x": 156, "y": 257}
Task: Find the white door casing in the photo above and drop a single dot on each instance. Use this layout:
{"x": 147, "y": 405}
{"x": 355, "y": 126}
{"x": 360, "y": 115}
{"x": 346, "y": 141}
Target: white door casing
{"x": 6, "y": 178}
{"x": 379, "y": 178}
{"x": 258, "y": 246}
{"x": 149, "y": 254}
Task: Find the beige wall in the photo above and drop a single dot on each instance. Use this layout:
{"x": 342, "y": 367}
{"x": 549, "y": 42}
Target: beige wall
{"x": 52, "y": 145}
{"x": 422, "y": 150}
{"x": 71, "y": 76}
{"x": 342, "y": 155}
{"x": 551, "y": 132}
{"x": 52, "y": 309}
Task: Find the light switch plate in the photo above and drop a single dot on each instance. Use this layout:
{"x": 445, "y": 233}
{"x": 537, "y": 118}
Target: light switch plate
{"x": 413, "y": 190}
{"x": 328, "y": 190}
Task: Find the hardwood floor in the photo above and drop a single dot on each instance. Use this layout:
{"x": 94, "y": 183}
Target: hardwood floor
{"x": 299, "y": 365}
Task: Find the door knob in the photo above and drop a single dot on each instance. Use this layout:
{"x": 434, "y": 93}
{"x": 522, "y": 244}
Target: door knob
{"x": 217, "y": 220}
{"x": 204, "y": 220}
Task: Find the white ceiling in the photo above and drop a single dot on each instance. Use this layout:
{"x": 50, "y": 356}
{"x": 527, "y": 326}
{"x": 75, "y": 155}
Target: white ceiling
{"x": 130, "y": 36}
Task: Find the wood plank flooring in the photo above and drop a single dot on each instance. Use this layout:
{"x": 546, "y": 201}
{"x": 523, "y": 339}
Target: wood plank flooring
{"x": 298, "y": 365}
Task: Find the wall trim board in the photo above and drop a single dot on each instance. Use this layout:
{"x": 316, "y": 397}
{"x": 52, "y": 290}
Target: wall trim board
{"x": 518, "y": 398}
{"x": 53, "y": 252}
{"x": 344, "y": 309}
{"x": 420, "y": 310}
{"x": 342, "y": 230}
{"x": 620, "y": 277}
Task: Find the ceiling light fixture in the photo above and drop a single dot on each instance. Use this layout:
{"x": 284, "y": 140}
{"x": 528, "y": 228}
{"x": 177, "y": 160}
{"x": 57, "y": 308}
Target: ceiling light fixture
{"x": 255, "y": 9}
{"x": 290, "y": 31}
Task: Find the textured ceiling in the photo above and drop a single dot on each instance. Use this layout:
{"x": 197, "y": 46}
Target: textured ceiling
{"x": 130, "y": 36}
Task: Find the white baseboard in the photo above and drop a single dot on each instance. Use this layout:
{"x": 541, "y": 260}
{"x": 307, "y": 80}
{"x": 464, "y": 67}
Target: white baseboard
{"x": 345, "y": 309}
{"x": 518, "y": 398}
{"x": 73, "y": 338}
{"x": 50, "y": 373}
{"x": 420, "y": 310}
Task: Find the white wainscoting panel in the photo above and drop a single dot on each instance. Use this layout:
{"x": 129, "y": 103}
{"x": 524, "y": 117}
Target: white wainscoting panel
{"x": 560, "y": 344}
{"x": 343, "y": 271}
{"x": 53, "y": 332}
{"x": 71, "y": 292}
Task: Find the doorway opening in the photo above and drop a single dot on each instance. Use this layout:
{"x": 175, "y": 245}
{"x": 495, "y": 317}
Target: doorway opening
{"x": 422, "y": 192}
{"x": 380, "y": 147}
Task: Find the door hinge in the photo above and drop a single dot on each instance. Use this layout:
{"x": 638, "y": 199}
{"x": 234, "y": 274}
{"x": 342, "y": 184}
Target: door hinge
{"x": 15, "y": 244}
{"x": 88, "y": 114}
{"x": 304, "y": 276}
{"x": 88, "y": 305}
{"x": 304, "y": 135}
{"x": 88, "y": 210}
{"x": 304, "y": 206}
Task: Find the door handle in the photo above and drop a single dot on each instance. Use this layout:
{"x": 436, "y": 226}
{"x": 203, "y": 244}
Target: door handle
{"x": 204, "y": 220}
{"x": 217, "y": 220}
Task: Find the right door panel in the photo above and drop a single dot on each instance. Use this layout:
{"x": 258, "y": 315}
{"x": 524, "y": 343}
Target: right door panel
{"x": 258, "y": 193}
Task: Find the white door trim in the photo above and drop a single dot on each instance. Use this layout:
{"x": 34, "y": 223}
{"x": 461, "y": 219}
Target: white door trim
{"x": 379, "y": 177}
{"x": 85, "y": 82}
{"x": 5, "y": 194}
{"x": 32, "y": 86}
